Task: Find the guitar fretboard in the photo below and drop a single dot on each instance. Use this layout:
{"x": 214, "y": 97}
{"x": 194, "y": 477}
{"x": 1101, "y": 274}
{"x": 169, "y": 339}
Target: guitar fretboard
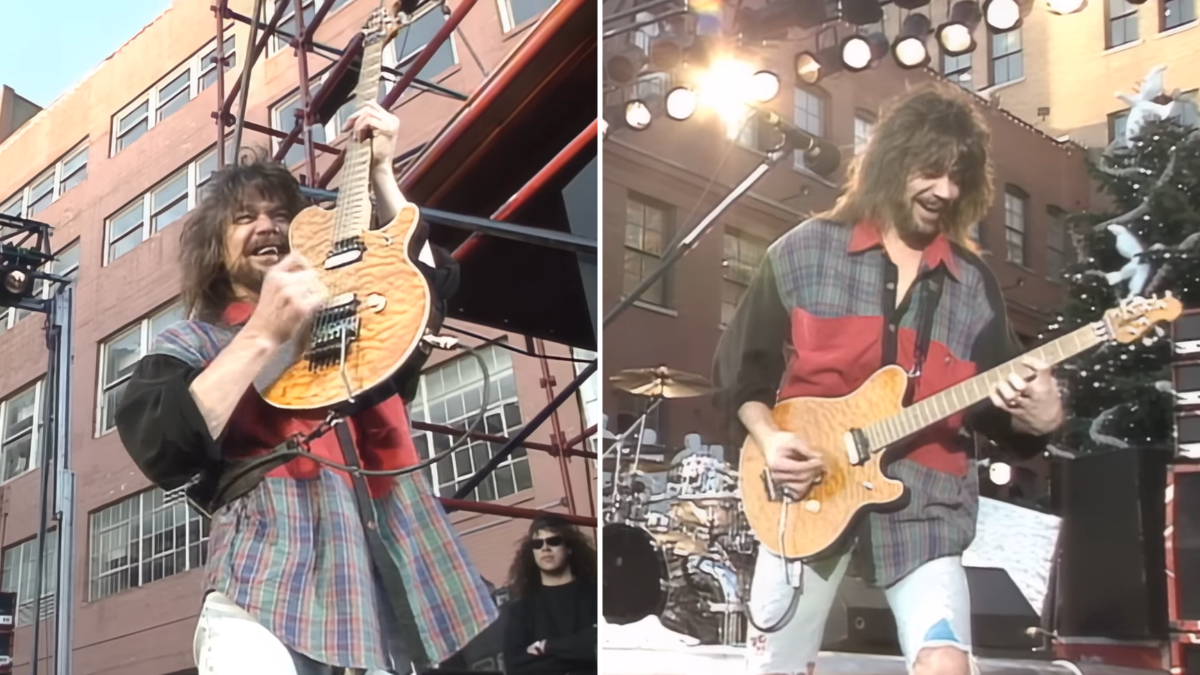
{"x": 354, "y": 201}
{"x": 967, "y": 393}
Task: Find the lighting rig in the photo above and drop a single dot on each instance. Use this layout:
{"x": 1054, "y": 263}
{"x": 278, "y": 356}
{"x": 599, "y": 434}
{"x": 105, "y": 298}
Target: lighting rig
{"x": 24, "y": 251}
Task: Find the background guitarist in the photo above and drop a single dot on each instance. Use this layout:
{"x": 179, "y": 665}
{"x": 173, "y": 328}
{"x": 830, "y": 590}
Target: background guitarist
{"x": 840, "y": 296}
{"x": 294, "y": 582}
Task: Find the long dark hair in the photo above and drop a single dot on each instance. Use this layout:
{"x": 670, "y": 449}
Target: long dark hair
{"x": 207, "y": 288}
{"x": 524, "y": 578}
{"x": 935, "y": 129}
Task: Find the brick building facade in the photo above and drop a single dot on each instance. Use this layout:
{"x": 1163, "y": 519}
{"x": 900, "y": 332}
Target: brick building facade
{"x": 113, "y": 165}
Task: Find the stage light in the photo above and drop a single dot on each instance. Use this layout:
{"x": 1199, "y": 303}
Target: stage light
{"x": 1002, "y": 15}
{"x": 764, "y": 86}
{"x": 860, "y": 52}
{"x": 637, "y": 115}
{"x": 623, "y": 65}
{"x": 1068, "y": 6}
{"x": 957, "y": 36}
{"x": 999, "y": 473}
{"x": 681, "y": 103}
{"x": 16, "y": 282}
{"x": 910, "y": 5}
{"x": 910, "y": 50}
{"x": 862, "y": 12}
{"x": 812, "y": 67}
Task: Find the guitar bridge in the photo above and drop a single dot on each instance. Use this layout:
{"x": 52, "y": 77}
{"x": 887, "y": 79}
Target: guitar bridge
{"x": 775, "y": 491}
{"x": 338, "y": 318}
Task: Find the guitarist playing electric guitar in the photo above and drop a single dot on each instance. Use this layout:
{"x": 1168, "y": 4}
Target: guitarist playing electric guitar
{"x": 887, "y": 276}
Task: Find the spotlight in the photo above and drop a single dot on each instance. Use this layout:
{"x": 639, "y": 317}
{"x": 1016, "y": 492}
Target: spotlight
{"x": 637, "y": 115}
{"x": 1066, "y": 6}
{"x": 812, "y": 67}
{"x": 910, "y": 4}
{"x": 957, "y": 36}
{"x": 862, "y": 12}
{"x": 1000, "y": 473}
{"x": 1002, "y": 15}
{"x": 16, "y": 282}
{"x": 623, "y": 65}
{"x": 910, "y": 50}
{"x": 764, "y": 86}
{"x": 681, "y": 103}
{"x": 860, "y": 52}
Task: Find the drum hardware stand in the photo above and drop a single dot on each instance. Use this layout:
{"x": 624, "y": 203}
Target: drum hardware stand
{"x": 622, "y": 494}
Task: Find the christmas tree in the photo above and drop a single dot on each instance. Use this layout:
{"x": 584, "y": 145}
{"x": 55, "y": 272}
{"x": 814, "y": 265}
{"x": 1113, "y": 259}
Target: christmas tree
{"x": 1120, "y": 395}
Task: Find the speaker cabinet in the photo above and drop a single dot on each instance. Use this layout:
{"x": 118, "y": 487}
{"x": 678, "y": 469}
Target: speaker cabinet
{"x": 1183, "y": 547}
{"x": 1110, "y": 576}
{"x": 1185, "y": 335}
{"x": 861, "y": 621}
{"x": 1187, "y": 434}
{"x": 1187, "y": 383}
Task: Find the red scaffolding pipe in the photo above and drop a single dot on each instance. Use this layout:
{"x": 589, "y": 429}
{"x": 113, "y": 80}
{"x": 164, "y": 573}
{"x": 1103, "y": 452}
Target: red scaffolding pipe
{"x": 493, "y": 438}
{"x": 512, "y": 511}
{"x": 220, "y": 80}
{"x": 254, "y": 51}
{"x": 531, "y": 188}
{"x": 410, "y": 74}
{"x": 304, "y": 115}
{"x": 539, "y": 347}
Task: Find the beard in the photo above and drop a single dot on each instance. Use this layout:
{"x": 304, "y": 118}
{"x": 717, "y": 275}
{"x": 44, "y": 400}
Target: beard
{"x": 243, "y": 274}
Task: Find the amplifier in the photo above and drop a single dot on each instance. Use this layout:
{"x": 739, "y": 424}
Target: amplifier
{"x": 1185, "y": 654}
{"x": 8, "y": 611}
{"x": 1187, "y": 383}
{"x": 1187, "y": 434}
{"x": 1185, "y": 334}
{"x": 1183, "y": 547}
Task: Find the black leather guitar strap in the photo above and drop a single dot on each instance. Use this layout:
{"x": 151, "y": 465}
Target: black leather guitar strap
{"x": 930, "y": 297}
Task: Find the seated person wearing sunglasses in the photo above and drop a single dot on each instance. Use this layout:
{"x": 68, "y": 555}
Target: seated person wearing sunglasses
{"x": 551, "y": 621}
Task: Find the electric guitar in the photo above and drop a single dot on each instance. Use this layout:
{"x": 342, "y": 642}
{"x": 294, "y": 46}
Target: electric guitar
{"x": 380, "y": 304}
{"x": 853, "y": 434}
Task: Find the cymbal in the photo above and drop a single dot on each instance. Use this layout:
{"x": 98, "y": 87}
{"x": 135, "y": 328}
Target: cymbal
{"x": 647, "y": 465}
{"x": 661, "y": 382}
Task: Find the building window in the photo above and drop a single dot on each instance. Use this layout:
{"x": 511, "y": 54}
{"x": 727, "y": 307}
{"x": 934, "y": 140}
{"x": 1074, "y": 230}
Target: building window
{"x": 283, "y": 118}
{"x": 976, "y": 234}
{"x": 515, "y": 13}
{"x": 207, "y": 165}
{"x": 118, "y": 357}
{"x": 287, "y": 22}
{"x": 168, "y": 95}
{"x": 451, "y": 394}
{"x": 1187, "y": 109}
{"x": 20, "y": 576}
{"x": 957, "y": 69}
{"x": 645, "y": 242}
{"x": 1116, "y": 126}
{"x": 410, "y": 41}
{"x": 1016, "y": 206}
{"x": 1176, "y": 13}
{"x": 1058, "y": 243}
{"x": 630, "y": 409}
{"x": 1122, "y": 23}
{"x": 140, "y": 540}
{"x": 1008, "y": 62}
{"x": 20, "y": 431}
{"x": 743, "y": 255}
{"x": 153, "y": 211}
{"x": 49, "y": 186}
{"x": 808, "y": 113}
{"x": 589, "y": 397}
{"x": 863, "y": 127}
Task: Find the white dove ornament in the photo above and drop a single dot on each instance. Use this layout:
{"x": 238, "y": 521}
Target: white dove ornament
{"x": 1137, "y": 270}
{"x": 1142, "y": 106}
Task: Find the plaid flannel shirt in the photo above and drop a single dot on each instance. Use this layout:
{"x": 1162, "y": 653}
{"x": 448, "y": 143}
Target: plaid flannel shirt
{"x": 820, "y": 317}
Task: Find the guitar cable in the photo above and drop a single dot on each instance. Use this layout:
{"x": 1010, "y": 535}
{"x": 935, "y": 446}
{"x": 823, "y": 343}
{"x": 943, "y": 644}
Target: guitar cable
{"x": 797, "y": 586}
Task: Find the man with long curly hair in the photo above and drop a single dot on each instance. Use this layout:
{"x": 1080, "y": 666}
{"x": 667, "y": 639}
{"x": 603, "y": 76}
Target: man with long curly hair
{"x": 310, "y": 571}
{"x": 834, "y": 300}
{"x": 551, "y": 624}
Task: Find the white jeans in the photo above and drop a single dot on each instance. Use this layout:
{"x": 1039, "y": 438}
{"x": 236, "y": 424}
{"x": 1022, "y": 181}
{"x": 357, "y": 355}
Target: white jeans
{"x": 229, "y": 641}
{"x": 932, "y": 607}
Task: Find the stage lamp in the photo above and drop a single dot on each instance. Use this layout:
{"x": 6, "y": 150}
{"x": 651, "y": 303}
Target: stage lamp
{"x": 1002, "y": 15}
{"x": 637, "y": 115}
{"x": 860, "y": 52}
{"x": 764, "y": 86}
{"x": 909, "y": 49}
{"x": 862, "y": 12}
{"x": 957, "y": 36}
{"x": 681, "y": 103}
{"x": 17, "y": 282}
{"x": 1069, "y": 6}
{"x": 623, "y": 65}
{"x": 999, "y": 473}
{"x": 813, "y": 66}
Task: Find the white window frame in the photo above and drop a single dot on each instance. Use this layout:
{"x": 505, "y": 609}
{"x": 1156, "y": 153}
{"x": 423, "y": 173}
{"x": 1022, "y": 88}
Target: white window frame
{"x": 589, "y": 399}
{"x": 959, "y": 72}
{"x": 393, "y": 60}
{"x": 508, "y": 23}
{"x": 729, "y": 276}
{"x": 35, "y": 431}
{"x": 193, "y": 66}
{"x": 211, "y": 51}
{"x": 823, "y": 121}
{"x": 55, "y": 173}
{"x": 191, "y": 168}
{"x": 1020, "y": 229}
{"x": 864, "y": 127}
{"x": 1017, "y": 54}
{"x": 144, "y": 512}
{"x": 278, "y": 44}
{"x": 19, "y": 555}
{"x": 145, "y": 340}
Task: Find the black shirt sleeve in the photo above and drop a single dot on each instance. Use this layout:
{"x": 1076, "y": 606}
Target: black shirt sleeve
{"x": 158, "y": 422}
{"x": 444, "y": 281}
{"x": 750, "y": 359}
{"x": 995, "y": 345}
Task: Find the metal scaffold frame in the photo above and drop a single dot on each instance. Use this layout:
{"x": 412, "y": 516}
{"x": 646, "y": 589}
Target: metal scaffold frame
{"x": 306, "y": 115}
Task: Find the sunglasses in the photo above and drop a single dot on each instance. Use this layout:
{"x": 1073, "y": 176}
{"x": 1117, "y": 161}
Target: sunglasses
{"x": 553, "y": 542}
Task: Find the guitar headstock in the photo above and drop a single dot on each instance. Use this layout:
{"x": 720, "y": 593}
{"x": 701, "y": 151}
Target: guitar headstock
{"x": 1135, "y": 317}
{"x": 383, "y": 24}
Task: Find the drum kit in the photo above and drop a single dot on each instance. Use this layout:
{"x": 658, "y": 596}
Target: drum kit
{"x": 676, "y": 542}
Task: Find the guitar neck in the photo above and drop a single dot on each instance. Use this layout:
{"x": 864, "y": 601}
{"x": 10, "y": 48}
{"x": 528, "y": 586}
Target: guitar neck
{"x": 961, "y": 396}
{"x": 354, "y": 199}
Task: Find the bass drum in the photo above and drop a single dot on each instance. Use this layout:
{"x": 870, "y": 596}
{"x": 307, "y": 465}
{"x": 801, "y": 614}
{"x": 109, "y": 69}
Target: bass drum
{"x": 635, "y": 574}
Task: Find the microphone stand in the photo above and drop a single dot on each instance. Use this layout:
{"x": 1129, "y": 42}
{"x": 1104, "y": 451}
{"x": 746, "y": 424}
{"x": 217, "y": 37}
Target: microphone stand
{"x": 689, "y": 242}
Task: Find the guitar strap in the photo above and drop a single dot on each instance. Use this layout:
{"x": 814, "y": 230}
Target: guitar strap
{"x": 930, "y": 297}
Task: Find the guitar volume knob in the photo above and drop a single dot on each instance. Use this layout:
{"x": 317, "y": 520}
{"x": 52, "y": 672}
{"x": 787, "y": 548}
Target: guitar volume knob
{"x": 812, "y": 506}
